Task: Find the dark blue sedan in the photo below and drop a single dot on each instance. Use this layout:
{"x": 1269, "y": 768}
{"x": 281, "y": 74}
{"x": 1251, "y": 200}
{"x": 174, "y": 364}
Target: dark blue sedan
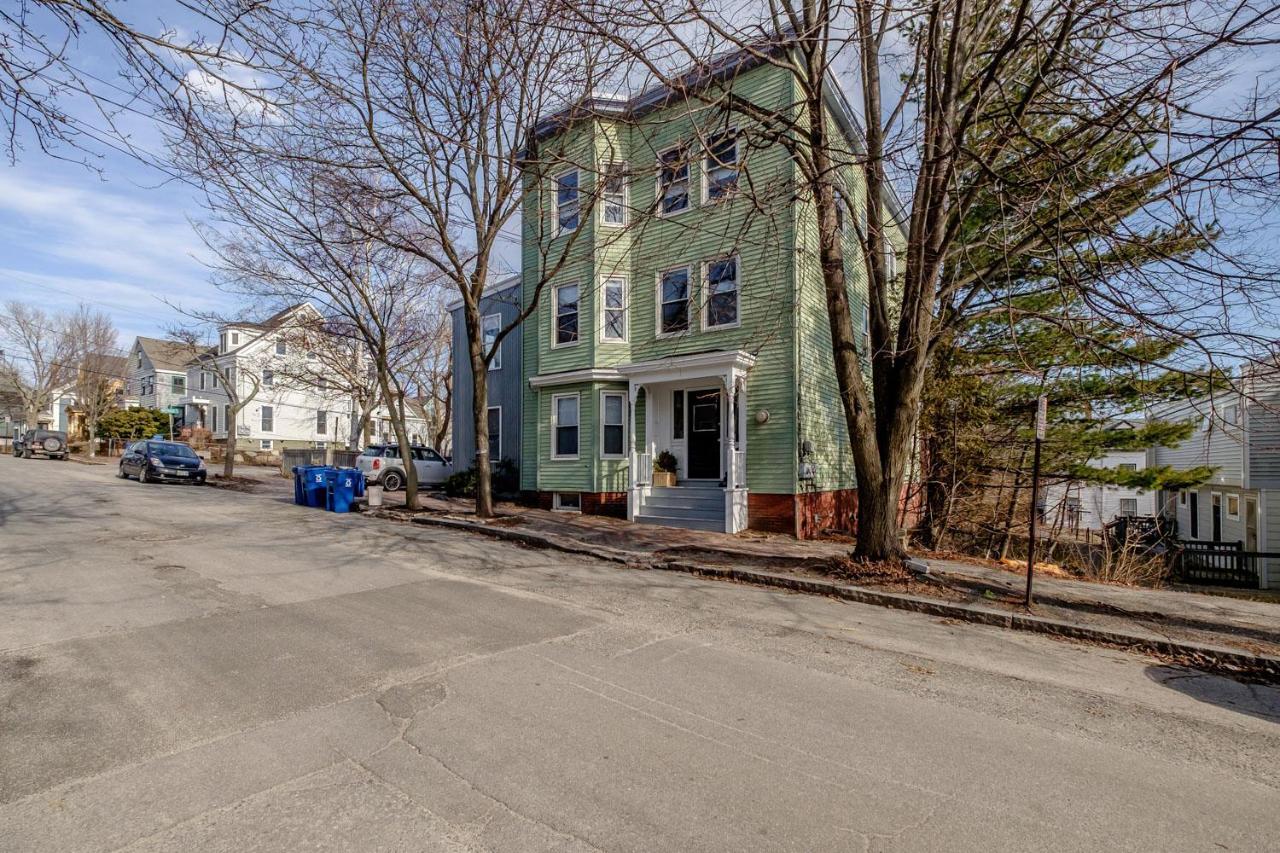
{"x": 155, "y": 461}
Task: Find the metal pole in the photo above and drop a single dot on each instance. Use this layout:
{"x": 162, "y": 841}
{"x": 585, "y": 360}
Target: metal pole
{"x": 1042, "y": 416}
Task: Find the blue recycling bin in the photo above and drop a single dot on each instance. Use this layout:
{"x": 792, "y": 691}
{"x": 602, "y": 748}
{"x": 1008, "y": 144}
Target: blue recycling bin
{"x": 316, "y": 484}
{"x": 340, "y": 489}
{"x": 300, "y": 484}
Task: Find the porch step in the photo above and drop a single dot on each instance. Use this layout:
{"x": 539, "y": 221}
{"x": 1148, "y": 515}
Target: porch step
{"x": 712, "y": 502}
{"x": 688, "y": 522}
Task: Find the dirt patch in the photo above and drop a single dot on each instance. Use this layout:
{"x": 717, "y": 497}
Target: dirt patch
{"x": 17, "y": 668}
{"x": 233, "y": 484}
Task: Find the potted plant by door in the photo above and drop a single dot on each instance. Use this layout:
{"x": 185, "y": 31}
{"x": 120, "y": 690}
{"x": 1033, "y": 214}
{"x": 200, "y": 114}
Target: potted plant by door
{"x": 664, "y": 469}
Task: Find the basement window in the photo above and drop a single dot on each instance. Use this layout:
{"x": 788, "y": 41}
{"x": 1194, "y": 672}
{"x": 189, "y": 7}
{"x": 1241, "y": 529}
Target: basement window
{"x": 566, "y": 502}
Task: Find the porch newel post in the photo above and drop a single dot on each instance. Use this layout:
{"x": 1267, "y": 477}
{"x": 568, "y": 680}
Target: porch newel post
{"x": 731, "y": 457}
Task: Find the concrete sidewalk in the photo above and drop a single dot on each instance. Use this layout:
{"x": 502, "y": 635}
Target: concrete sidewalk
{"x": 1172, "y": 621}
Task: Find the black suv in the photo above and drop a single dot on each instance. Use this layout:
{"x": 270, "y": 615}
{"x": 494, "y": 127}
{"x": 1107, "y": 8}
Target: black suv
{"x": 155, "y": 461}
{"x": 41, "y": 442}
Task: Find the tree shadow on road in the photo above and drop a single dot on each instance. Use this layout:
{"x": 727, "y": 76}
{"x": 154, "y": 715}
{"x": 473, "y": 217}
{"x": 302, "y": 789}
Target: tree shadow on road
{"x": 1256, "y": 700}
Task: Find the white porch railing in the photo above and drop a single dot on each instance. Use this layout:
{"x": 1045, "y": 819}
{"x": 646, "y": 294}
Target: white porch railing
{"x": 641, "y": 468}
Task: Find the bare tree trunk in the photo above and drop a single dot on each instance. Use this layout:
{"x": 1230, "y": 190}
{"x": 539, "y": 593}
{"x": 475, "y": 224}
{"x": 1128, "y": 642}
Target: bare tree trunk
{"x": 480, "y": 417}
{"x": 229, "y": 454}
{"x": 395, "y": 409}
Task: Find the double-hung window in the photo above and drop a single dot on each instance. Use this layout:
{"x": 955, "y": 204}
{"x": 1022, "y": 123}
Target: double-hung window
{"x": 721, "y": 165}
{"x": 204, "y": 377}
{"x": 213, "y": 413}
{"x": 722, "y": 293}
{"x": 268, "y": 379}
{"x": 613, "y": 195}
{"x": 568, "y": 205}
{"x": 494, "y": 420}
{"x": 281, "y": 346}
{"x": 613, "y": 309}
{"x": 613, "y": 424}
{"x": 178, "y": 384}
{"x": 673, "y": 180}
{"x": 490, "y": 325}
{"x": 566, "y": 320}
{"x": 322, "y": 422}
{"x": 673, "y": 302}
{"x": 564, "y": 426}
{"x": 268, "y": 419}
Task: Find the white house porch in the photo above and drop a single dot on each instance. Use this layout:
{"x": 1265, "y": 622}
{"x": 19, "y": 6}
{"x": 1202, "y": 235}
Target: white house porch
{"x": 695, "y": 409}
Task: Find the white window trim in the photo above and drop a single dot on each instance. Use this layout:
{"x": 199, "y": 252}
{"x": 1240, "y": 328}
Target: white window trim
{"x": 266, "y": 444}
{"x": 324, "y": 431}
{"x": 657, "y": 183}
{"x": 499, "y": 411}
{"x": 705, "y": 290}
{"x": 1234, "y": 516}
{"x": 1182, "y": 498}
{"x": 496, "y": 364}
{"x": 657, "y": 303}
{"x": 577, "y": 399}
{"x": 623, "y": 396}
{"x": 555, "y": 314}
{"x": 555, "y": 503}
{"x": 626, "y": 309}
{"x": 706, "y": 172}
{"x": 273, "y": 419}
{"x": 268, "y": 378}
{"x": 555, "y": 202}
{"x": 626, "y": 196}
{"x": 282, "y": 348}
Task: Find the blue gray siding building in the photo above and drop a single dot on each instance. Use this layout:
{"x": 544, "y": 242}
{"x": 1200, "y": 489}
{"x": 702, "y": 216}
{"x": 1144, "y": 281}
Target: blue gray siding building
{"x": 500, "y": 306}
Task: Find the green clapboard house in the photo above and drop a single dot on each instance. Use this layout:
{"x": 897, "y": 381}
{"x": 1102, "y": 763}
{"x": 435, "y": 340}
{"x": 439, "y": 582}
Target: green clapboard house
{"x": 687, "y": 317}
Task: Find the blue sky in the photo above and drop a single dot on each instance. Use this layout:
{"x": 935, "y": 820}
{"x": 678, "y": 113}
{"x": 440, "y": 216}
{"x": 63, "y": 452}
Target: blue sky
{"x": 115, "y": 235}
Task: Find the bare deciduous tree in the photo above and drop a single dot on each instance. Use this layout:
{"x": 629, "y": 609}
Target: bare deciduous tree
{"x": 100, "y": 372}
{"x": 40, "y": 354}
{"x": 238, "y": 380}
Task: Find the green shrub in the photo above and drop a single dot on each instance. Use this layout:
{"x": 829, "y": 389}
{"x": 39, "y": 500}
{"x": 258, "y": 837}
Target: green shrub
{"x": 132, "y": 424}
{"x": 505, "y": 481}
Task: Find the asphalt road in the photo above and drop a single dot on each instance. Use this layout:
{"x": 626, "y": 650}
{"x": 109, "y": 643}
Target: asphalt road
{"x": 192, "y": 669}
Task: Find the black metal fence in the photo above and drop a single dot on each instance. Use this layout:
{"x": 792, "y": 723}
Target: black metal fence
{"x": 1220, "y": 564}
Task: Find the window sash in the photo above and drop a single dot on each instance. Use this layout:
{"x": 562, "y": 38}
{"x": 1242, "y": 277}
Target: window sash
{"x": 494, "y": 420}
{"x": 673, "y": 302}
{"x": 566, "y": 319}
{"x": 281, "y": 347}
{"x": 613, "y": 326}
{"x": 614, "y": 195}
{"x": 565, "y": 414}
{"x": 613, "y": 424}
{"x": 722, "y": 293}
{"x": 722, "y": 165}
{"x": 268, "y": 379}
{"x": 268, "y": 419}
{"x": 489, "y": 327}
{"x": 568, "y": 203}
{"x": 673, "y": 181}
{"x": 322, "y": 422}
{"x": 677, "y": 414}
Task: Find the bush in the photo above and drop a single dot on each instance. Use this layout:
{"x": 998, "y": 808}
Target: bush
{"x": 132, "y": 424}
{"x": 666, "y": 461}
{"x": 505, "y": 481}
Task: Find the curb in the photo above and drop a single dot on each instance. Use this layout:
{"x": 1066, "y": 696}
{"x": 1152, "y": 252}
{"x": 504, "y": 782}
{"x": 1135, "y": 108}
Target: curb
{"x": 1205, "y": 656}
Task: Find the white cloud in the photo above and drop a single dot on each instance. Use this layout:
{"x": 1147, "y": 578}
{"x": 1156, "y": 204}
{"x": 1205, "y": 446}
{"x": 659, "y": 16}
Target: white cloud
{"x": 120, "y": 248}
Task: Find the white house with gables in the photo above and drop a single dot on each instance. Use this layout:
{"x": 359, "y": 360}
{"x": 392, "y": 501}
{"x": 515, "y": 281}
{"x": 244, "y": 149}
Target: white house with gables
{"x": 1239, "y": 435}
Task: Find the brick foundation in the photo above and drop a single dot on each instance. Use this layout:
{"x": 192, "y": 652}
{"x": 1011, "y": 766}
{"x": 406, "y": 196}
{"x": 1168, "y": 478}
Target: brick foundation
{"x": 804, "y": 515}
{"x": 772, "y": 513}
{"x": 613, "y": 504}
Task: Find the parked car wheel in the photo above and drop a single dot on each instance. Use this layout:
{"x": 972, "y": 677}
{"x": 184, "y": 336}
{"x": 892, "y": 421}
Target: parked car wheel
{"x": 120, "y": 472}
{"x": 142, "y": 475}
{"x": 27, "y": 454}
{"x": 393, "y": 481}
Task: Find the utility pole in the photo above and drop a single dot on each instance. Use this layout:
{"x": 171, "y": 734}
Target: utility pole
{"x": 1042, "y": 416}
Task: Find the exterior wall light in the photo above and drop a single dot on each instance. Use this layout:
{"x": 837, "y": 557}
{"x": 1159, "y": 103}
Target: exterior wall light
{"x": 762, "y": 416}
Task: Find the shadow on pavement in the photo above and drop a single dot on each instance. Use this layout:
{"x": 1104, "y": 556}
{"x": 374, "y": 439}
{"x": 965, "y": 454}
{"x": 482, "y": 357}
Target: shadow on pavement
{"x": 1256, "y": 700}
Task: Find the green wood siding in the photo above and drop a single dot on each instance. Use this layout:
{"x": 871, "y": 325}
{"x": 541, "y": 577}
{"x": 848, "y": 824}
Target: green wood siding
{"x": 782, "y": 312}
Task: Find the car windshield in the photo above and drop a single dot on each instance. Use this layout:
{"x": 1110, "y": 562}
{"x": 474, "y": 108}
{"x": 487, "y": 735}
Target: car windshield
{"x": 168, "y": 448}
{"x": 372, "y": 451}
